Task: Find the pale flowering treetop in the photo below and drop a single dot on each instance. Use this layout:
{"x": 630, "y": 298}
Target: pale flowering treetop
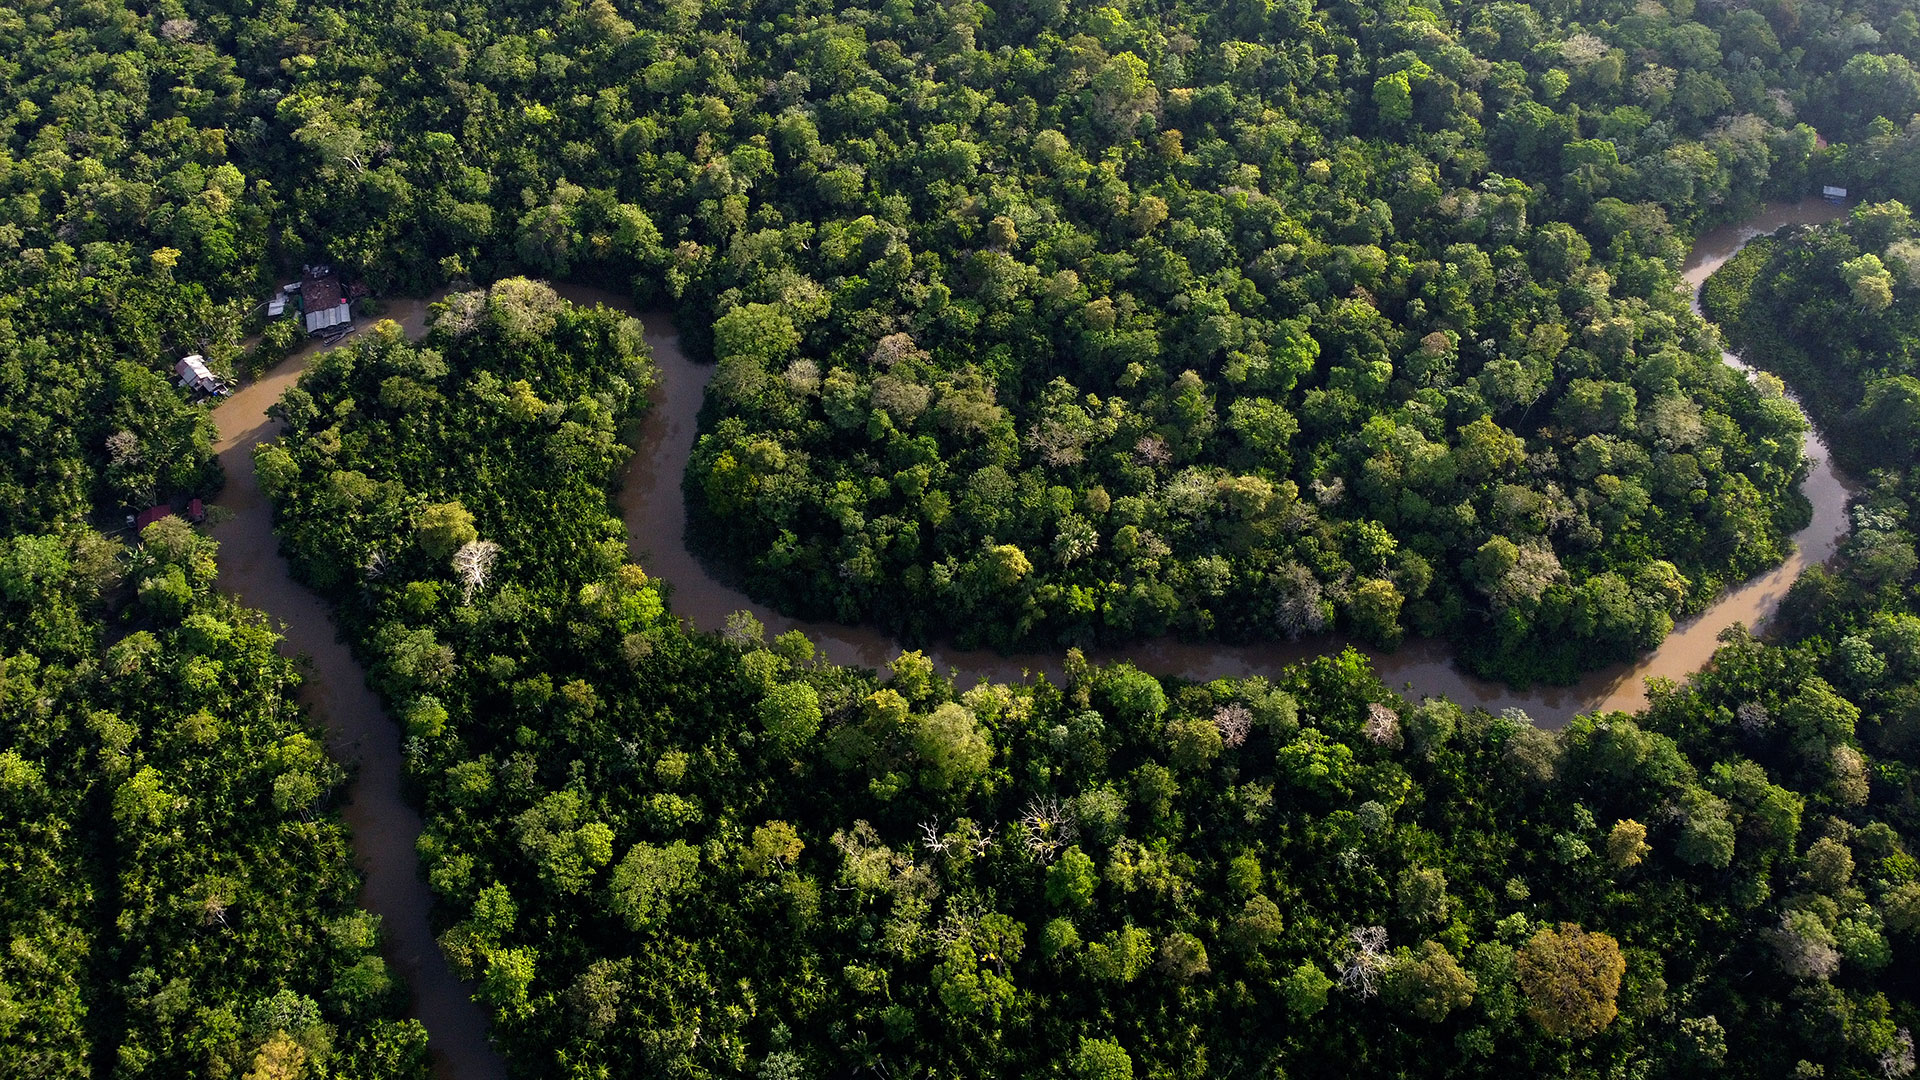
{"x": 1235, "y": 722}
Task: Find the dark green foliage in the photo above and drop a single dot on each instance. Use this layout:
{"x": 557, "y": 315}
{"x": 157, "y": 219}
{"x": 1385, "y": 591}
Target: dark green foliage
{"x": 179, "y": 893}
{"x": 1054, "y": 323}
{"x": 808, "y": 880}
{"x": 1049, "y": 324}
{"x": 132, "y": 232}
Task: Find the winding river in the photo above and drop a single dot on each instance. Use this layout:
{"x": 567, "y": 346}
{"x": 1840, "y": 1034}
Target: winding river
{"x": 655, "y": 514}
{"x": 361, "y": 734}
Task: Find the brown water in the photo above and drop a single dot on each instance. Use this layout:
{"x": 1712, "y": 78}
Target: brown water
{"x": 655, "y": 514}
{"x": 359, "y": 732}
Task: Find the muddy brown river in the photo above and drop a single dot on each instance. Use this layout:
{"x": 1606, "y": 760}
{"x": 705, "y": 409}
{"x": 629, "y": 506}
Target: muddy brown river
{"x": 361, "y": 734}
{"x": 655, "y": 514}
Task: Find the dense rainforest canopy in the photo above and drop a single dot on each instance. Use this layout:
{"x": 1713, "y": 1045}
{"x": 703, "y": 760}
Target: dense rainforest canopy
{"x": 177, "y": 900}
{"x": 1301, "y": 874}
{"x": 1048, "y": 323}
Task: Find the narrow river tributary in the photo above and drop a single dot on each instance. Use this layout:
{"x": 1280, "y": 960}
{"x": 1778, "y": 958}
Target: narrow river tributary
{"x": 361, "y": 734}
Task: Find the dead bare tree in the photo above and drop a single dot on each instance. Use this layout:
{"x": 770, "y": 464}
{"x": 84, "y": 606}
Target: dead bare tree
{"x": 1049, "y": 827}
{"x": 1382, "y": 726}
{"x": 1152, "y": 451}
{"x": 930, "y": 837}
{"x": 473, "y": 564}
{"x": 983, "y": 839}
{"x": 1362, "y": 970}
{"x": 1235, "y": 722}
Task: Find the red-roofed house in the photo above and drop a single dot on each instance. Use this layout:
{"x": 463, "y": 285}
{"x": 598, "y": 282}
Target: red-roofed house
{"x": 150, "y": 515}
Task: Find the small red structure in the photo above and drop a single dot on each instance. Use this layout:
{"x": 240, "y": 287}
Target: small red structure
{"x": 150, "y": 515}
{"x": 196, "y": 511}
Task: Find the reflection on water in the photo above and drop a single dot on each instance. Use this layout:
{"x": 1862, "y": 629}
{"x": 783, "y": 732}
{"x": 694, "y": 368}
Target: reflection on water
{"x": 655, "y": 514}
{"x": 359, "y": 732}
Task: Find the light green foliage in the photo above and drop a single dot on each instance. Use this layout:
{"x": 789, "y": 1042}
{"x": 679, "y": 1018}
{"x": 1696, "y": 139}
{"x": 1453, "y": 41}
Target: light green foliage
{"x": 1192, "y": 743}
{"x": 1423, "y": 896}
{"x": 1706, "y": 836}
{"x": 759, "y": 333}
{"x": 564, "y": 843}
{"x": 1035, "y": 324}
{"x": 648, "y": 879}
{"x": 1306, "y": 989}
{"x": 1901, "y": 908}
{"x": 181, "y": 751}
{"x": 1427, "y": 982}
{"x": 1259, "y": 924}
{"x": 1829, "y": 865}
{"x": 1119, "y": 956}
{"x": 1627, "y": 843}
{"x": 444, "y": 527}
{"x": 790, "y": 714}
{"x": 509, "y": 973}
{"x": 1071, "y": 880}
{"x": 1058, "y": 937}
{"x": 953, "y": 751}
{"x": 1871, "y": 284}
{"x": 1317, "y": 764}
{"x": 1101, "y": 1059}
{"x": 773, "y": 847}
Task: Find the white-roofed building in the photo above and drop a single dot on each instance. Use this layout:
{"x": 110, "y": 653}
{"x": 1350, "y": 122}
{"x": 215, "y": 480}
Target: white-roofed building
{"x": 195, "y": 375}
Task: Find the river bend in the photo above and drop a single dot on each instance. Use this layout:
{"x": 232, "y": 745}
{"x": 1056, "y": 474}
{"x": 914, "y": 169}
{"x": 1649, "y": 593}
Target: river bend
{"x": 655, "y": 513}
{"x": 360, "y": 733}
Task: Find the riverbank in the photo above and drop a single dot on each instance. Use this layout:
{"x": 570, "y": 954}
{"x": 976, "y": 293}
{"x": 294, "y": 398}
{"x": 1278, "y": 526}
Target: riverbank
{"x": 359, "y": 733}
{"x": 654, "y": 509}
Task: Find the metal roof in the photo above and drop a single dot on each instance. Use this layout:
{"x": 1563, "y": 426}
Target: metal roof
{"x": 193, "y": 374}
{"x": 328, "y": 317}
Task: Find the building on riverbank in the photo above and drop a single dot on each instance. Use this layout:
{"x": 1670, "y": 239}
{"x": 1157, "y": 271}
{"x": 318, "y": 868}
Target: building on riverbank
{"x": 323, "y": 303}
{"x": 193, "y": 373}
